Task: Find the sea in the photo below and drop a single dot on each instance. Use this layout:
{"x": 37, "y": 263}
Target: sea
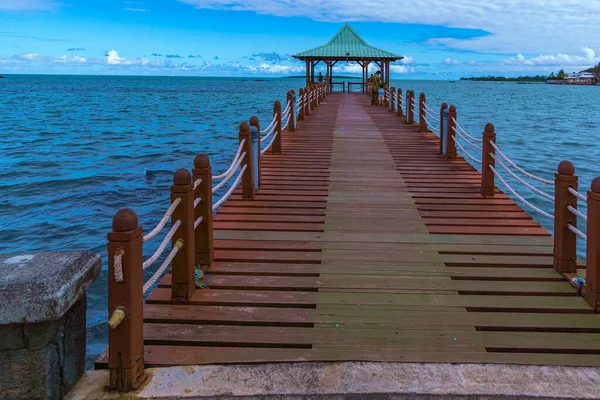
{"x": 75, "y": 149}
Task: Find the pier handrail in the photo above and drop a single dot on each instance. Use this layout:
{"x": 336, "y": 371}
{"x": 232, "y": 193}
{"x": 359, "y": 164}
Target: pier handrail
{"x": 226, "y": 179}
{"x": 231, "y": 189}
{"x": 231, "y": 167}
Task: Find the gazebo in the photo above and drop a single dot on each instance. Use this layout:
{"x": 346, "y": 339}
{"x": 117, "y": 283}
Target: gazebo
{"x": 347, "y": 46}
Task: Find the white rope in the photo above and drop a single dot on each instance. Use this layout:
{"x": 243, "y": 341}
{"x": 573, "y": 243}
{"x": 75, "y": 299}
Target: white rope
{"x": 231, "y": 189}
{"x": 465, "y": 152}
{"x": 288, "y": 108}
{"x": 527, "y": 184}
{"x": 466, "y": 139}
{"x": 118, "y": 264}
{"x": 465, "y": 132}
{"x": 224, "y": 181}
{"x": 286, "y": 123}
{"x": 428, "y": 108}
{"x": 577, "y": 212}
{"x": 264, "y": 138}
{"x": 521, "y": 170}
{"x": 197, "y": 201}
{"x": 431, "y": 114}
{"x": 235, "y": 159}
{"x": 197, "y": 183}
{"x": 577, "y": 232}
{"x": 528, "y": 204}
{"x": 163, "y": 267}
{"x": 577, "y": 194}
{"x": 198, "y": 222}
{"x": 263, "y": 151}
{"x": 271, "y": 124}
{"x": 431, "y": 125}
{"x": 163, "y": 221}
{"x": 162, "y": 246}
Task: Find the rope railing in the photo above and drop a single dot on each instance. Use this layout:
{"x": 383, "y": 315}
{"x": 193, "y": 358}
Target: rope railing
{"x": 272, "y": 124}
{"x": 523, "y": 182}
{"x": 233, "y": 163}
{"x": 263, "y": 151}
{"x": 518, "y": 196}
{"x": 465, "y": 132}
{"x": 224, "y": 181}
{"x": 272, "y": 131}
{"x": 466, "y": 139}
{"x": 430, "y": 110}
{"x": 577, "y": 194}
{"x": 431, "y": 126}
{"x": 287, "y": 122}
{"x": 577, "y": 232}
{"x": 198, "y": 221}
{"x": 464, "y": 151}
{"x": 163, "y": 221}
{"x": 197, "y": 201}
{"x": 577, "y": 212}
{"x": 159, "y": 272}
{"x": 521, "y": 170}
{"x": 231, "y": 189}
{"x": 162, "y": 246}
{"x": 197, "y": 183}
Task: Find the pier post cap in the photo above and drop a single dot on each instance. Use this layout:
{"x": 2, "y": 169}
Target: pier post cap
{"x": 244, "y": 127}
{"x": 422, "y": 95}
{"x": 489, "y": 128}
{"x": 301, "y": 90}
{"x": 182, "y": 177}
{"x": 566, "y": 168}
{"x": 452, "y": 109}
{"x": 595, "y": 186}
{"x": 201, "y": 161}
{"x": 254, "y": 121}
{"x": 125, "y": 220}
{"x": 253, "y": 131}
{"x": 277, "y": 105}
{"x": 444, "y": 106}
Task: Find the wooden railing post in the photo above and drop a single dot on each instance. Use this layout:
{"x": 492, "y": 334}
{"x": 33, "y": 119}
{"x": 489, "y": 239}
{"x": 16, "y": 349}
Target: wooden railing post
{"x": 292, "y": 124}
{"x": 487, "y": 175}
{"x": 409, "y": 117}
{"x": 126, "y": 298}
{"x": 592, "y": 280}
{"x": 203, "y": 235}
{"x": 307, "y": 109}
{"x": 183, "y": 267}
{"x": 392, "y": 100}
{"x": 256, "y": 162}
{"x": 301, "y": 110}
{"x": 443, "y": 127}
{"x": 450, "y": 134}
{"x": 277, "y": 141}
{"x": 565, "y": 241}
{"x": 400, "y": 106}
{"x": 248, "y": 190}
{"x": 422, "y": 122}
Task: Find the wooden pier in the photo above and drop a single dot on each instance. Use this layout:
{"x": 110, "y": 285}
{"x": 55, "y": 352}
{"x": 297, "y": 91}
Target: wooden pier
{"x": 364, "y": 243}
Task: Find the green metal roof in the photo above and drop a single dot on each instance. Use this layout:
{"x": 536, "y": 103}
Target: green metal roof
{"x": 347, "y": 44}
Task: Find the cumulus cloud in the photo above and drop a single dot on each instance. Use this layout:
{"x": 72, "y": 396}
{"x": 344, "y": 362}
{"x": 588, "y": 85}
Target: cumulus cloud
{"x": 27, "y": 5}
{"x": 29, "y": 57}
{"x": 70, "y": 60}
{"x": 588, "y": 58}
{"x": 451, "y": 61}
{"x": 407, "y": 60}
{"x": 398, "y": 69}
{"x": 548, "y": 26}
{"x": 277, "y": 68}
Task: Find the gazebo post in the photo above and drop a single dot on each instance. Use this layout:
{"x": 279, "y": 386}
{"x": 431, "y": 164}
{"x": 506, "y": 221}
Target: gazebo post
{"x": 307, "y": 72}
{"x": 366, "y": 76}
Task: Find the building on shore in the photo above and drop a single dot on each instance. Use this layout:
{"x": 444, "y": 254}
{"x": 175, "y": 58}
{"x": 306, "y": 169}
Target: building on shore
{"x": 581, "y": 78}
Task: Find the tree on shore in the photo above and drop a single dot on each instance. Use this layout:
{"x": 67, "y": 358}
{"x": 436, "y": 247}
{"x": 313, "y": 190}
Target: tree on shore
{"x": 561, "y": 74}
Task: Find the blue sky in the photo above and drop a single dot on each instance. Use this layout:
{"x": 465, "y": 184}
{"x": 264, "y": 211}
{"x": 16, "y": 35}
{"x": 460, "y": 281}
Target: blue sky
{"x": 440, "y": 39}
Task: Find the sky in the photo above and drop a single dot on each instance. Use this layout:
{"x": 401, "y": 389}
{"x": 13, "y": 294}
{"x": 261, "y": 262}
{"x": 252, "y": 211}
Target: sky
{"x": 439, "y": 39}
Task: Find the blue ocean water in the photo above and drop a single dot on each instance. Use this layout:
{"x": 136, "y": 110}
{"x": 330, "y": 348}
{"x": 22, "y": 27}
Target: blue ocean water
{"x": 75, "y": 149}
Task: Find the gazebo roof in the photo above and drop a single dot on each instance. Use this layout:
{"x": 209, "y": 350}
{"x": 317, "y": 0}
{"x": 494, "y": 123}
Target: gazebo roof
{"x": 347, "y": 45}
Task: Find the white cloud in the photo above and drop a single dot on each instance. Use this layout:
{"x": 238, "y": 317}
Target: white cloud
{"x": 280, "y": 69}
{"x": 26, "y": 5}
{"x": 407, "y": 60}
{"x": 588, "y": 59}
{"x": 142, "y": 10}
{"x": 70, "y": 60}
{"x": 112, "y": 58}
{"x": 29, "y": 57}
{"x": 515, "y": 26}
{"x": 451, "y": 61}
{"x": 398, "y": 69}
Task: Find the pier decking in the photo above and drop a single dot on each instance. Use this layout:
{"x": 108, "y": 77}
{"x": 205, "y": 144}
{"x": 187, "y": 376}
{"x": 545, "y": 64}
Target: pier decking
{"x": 363, "y": 243}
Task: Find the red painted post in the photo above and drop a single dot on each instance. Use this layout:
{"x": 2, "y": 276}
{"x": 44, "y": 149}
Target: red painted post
{"x": 443, "y": 108}
{"x": 292, "y": 124}
{"x": 256, "y": 148}
{"x": 450, "y": 144}
{"x": 308, "y": 108}
{"x": 392, "y": 99}
{"x": 183, "y": 267}
{"x": 422, "y": 122}
{"x": 487, "y": 175}
{"x": 565, "y": 241}
{"x": 248, "y": 188}
{"x": 400, "y": 110}
{"x": 203, "y": 236}
{"x": 125, "y": 303}
{"x": 301, "y": 100}
{"x": 592, "y": 280}
{"x": 277, "y": 141}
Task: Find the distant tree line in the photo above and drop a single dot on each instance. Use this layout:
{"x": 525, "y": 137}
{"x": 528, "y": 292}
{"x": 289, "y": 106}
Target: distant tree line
{"x": 537, "y": 78}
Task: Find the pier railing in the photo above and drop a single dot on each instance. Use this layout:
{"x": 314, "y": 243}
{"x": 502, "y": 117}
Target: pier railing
{"x": 190, "y": 237}
{"x": 484, "y": 153}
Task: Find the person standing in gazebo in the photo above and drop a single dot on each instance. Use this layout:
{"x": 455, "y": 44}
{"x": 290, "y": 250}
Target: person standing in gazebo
{"x": 375, "y": 85}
